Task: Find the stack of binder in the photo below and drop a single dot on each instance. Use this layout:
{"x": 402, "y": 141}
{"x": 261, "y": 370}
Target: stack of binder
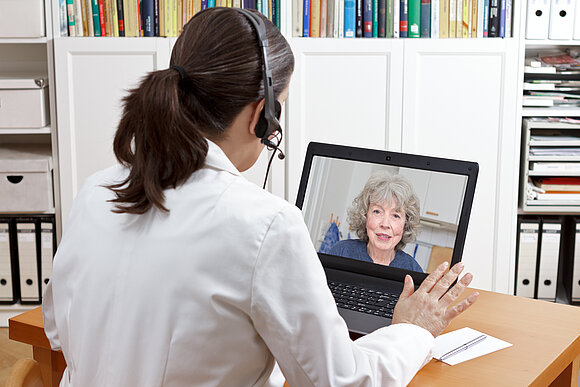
{"x": 27, "y": 246}
{"x": 537, "y": 257}
{"x": 552, "y": 19}
{"x": 571, "y": 262}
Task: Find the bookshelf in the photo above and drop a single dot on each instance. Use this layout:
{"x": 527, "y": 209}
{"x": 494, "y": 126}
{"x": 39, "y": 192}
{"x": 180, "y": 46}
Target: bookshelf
{"x": 454, "y": 98}
{"x": 563, "y": 136}
{"x": 29, "y": 57}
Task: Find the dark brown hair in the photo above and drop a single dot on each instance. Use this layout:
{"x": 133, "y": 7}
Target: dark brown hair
{"x": 160, "y": 137}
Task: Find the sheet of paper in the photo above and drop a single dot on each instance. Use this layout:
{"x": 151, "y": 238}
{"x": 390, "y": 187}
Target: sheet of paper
{"x": 449, "y": 341}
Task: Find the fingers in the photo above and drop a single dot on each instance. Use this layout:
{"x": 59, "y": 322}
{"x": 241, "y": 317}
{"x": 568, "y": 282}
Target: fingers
{"x": 433, "y": 278}
{"x": 456, "y": 290}
{"x": 445, "y": 282}
{"x": 461, "y": 307}
{"x": 408, "y": 288}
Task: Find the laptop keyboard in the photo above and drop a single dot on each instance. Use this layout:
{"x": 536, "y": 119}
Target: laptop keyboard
{"x": 379, "y": 303}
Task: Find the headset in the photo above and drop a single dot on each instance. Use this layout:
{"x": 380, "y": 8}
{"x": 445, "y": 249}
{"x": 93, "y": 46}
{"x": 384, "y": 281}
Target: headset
{"x": 268, "y": 123}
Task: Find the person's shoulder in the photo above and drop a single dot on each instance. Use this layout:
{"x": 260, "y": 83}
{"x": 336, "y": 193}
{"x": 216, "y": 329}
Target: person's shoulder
{"x": 407, "y": 261}
{"x": 347, "y": 245}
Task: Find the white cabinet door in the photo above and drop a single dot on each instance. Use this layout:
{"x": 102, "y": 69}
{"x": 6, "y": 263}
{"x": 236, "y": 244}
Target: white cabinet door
{"x": 460, "y": 102}
{"x": 93, "y": 75}
{"x": 344, "y": 91}
{"x": 442, "y": 204}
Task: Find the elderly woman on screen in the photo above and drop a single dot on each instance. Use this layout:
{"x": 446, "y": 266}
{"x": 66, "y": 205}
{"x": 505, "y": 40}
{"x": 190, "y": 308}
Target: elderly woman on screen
{"x": 385, "y": 216}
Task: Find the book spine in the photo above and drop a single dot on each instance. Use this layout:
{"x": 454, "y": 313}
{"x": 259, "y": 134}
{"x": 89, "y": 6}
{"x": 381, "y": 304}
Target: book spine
{"x": 349, "y": 19}
{"x": 459, "y": 19}
{"x": 396, "y": 18}
{"x": 204, "y": 4}
{"x": 323, "y": 10}
{"x": 90, "y": 25}
{"x": 502, "y": 18}
{"x": 102, "y": 18}
{"x": 96, "y": 17}
{"x": 389, "y": 19}
{"x": 147, "y": 12}
{"x": 465, "y": 20}
{"x": 368, "y": 19}
{"x": 197, "y": 6}
{"x": 156, "y": 15}
{"x": 296, "y": 16}
{"x": 306, "y": 19}
{"x": 404, "y": 18}
{"x": 114, "y": 18}
{"x": 110, "y": 18}
{"x": 359, "y": 18}
{"x": 266, "y": 9}
{"x": 279, "y": 14}
{"x": 85, "y": 17}
{"x": 375, "y": 18}
{"x": 341, "y": 19}
{"x": 425, "y": 16}
{"x": 336, "y": 27}
{"x": 452, "y": 18}
{"x": 121, "y": 17}
{"x": 168, "y": 15}
{"x": 480, "y": 5}
{"x": 63, "y": 17}
{"x": 314, "y": 18}
{"x": 493, "y": 29}
{"x": 473, "y": 19}
{"x": 271, "y": 12}
{"x": 435, "y": 15}
{"x": 444, "y": 19}
{"x": 211, "y": 3}
{"x": 70, "y": 10}
{"x": 414, "y": 18}
{"x": 382, "y": 18}
{"x": 330, "y": 19}
{"x": 485, "y": 18}
{"x": 509, "y": 15}
{"x": 78, "y": 18}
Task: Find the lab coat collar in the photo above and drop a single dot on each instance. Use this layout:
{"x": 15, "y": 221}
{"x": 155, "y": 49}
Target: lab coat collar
{"x": 216, "y": 158}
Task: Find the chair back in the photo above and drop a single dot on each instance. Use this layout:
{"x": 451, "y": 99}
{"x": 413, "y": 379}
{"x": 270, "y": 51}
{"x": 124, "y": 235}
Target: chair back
{"x": 25, "y": 373}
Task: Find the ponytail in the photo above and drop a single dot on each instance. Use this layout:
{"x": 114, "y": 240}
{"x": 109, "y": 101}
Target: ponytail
{"x": 216, "y": 71}
{"x": 158, "y": 141}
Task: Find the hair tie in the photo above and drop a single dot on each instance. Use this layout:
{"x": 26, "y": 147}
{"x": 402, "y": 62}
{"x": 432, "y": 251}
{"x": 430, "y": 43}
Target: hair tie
{"x": 181, "y": 72}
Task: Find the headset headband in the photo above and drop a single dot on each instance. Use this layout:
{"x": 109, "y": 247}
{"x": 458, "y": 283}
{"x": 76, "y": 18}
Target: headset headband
{"x": 270, "y": 113}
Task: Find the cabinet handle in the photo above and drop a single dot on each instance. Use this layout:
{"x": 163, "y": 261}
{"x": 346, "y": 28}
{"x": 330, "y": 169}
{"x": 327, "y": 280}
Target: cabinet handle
{"x": 14, "y": 179}
{"x": 432, "y": 213}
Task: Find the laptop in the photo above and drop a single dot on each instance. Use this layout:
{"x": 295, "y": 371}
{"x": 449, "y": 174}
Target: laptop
{"x": 349, "y": 246}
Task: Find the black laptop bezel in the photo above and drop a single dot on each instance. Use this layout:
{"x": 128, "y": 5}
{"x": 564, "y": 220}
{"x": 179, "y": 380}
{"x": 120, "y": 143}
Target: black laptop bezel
{"x": 405, "y": 160}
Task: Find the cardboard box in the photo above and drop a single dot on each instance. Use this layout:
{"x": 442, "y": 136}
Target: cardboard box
{"x": 22, "y": 19}
{"x": 26, "y": 183}
{"x": 23, "y": 101}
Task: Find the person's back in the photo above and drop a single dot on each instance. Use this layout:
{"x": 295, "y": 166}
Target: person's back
{"x": 164, "y": 299}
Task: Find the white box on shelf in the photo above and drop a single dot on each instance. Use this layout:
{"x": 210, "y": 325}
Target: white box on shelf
{"x": 23, "y": 101}
{"x": 22, "y": 19}
{"x": 26, "y": 178}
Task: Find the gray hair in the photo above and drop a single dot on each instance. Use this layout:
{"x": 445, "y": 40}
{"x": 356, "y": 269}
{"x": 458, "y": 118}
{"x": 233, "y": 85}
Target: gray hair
{"x": 383, "y": 186}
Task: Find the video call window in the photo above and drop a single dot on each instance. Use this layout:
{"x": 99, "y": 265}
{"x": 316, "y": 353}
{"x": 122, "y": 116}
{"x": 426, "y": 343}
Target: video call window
{"x": 402, "y": 217}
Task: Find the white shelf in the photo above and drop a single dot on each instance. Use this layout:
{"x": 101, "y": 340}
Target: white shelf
{"x": 551, "y": 112}
{"x": 552, "y": 173}
{"x": 552, "y": 42}
{"x": 45, "y": 130}
{"x": 555, "y": 143}
{"x": 23, "y": 40}
{"x": 554, "y": 158}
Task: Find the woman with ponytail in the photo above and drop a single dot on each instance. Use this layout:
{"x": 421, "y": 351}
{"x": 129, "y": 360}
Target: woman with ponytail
{"x": 175, "y": 271}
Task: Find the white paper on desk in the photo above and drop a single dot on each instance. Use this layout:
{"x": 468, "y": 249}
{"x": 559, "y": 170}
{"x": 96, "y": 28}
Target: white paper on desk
{"x": 449, "y": 341}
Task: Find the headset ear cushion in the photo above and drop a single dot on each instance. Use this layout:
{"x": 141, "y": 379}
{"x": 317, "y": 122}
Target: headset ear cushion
{"x": 261, "y": 125}
{"x": 278, "y": 109}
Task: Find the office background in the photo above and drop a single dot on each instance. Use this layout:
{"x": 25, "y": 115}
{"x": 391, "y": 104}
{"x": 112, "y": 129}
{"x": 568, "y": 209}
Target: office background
{"x": 454, "y": 98}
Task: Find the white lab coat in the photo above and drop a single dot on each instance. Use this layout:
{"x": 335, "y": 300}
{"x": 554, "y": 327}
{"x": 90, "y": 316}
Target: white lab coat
{"x": 207, "y": 295}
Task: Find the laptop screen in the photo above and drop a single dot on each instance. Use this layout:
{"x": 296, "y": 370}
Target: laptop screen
{"x": 385, "y": 208}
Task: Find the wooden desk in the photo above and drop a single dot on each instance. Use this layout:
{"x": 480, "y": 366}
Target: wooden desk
{"x": 28, "y": 328}
{"x": 545, "y": 351}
